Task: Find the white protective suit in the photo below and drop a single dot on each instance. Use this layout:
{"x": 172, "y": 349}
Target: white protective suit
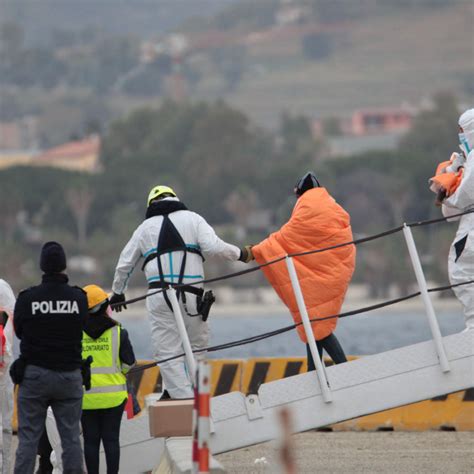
{"x": 461, "y": 255}
{"x": 55, "y": 442}
{"x": 196, "y": 233}
{"x": 7, "y": 303}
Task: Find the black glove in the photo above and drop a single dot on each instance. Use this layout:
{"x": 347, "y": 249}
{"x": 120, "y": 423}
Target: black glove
{"x": 136, "y": 406}
{"x": 115, "y": 301}
{"x": 246, "y": 254}
{"x": 17, "y": 370}
{"x": 86, "y": 372}
{"x": 440, "y": 197}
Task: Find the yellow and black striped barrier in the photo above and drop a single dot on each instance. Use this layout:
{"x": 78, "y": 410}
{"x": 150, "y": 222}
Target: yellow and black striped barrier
{"x": 448, "y": 412}
{"x": 228, "y": 375}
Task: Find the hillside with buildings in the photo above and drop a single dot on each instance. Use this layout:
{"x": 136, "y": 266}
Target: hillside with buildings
{"x": 328, "y": 63}
{"x": 323, "y": 68}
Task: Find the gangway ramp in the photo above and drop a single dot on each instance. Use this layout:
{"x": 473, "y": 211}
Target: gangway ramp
{"x": 359, "y": 387}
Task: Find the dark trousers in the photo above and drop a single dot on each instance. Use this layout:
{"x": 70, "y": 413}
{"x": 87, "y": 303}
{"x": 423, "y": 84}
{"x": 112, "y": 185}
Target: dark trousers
{"x": 331, "y": 345}
{"x": 62, "y": 391}
{"x": 102, "y": 425}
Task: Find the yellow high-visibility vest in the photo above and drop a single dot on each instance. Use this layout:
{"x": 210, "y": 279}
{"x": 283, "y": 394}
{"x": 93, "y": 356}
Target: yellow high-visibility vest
{"x": 108, "y": 384}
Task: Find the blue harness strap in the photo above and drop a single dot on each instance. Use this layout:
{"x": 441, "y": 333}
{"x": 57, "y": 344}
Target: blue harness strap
{"x": 170, "y": 241}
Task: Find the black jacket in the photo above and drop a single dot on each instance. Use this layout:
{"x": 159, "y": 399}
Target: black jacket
{"x": 97, "y": 324}
{"x": 49, "y": 319}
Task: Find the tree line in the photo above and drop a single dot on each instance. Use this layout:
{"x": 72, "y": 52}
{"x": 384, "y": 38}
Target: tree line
{"x": 227, "y": 168}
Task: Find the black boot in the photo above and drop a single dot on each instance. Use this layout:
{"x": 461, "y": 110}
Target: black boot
{"x": 44, "y": 451}
{"x": 165, "y": 395}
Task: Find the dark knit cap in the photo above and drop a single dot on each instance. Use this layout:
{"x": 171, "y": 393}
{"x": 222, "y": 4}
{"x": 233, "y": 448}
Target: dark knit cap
{"x": 53, "y": 258}
{"x": 308, "y": 181}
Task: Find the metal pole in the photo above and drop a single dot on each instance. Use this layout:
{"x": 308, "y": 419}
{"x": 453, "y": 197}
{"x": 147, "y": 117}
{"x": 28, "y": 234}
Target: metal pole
{"x": 190, "y": 360}
{"x": 420, "y": 277}
{"x": 321, "y": 373}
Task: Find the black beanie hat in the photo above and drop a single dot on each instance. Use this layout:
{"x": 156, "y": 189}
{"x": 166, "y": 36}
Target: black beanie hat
{"x": 308, "y": 181}
{"x": 53, "y": 258}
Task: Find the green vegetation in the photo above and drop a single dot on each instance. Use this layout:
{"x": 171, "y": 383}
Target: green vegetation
{"x": 225, "y": 167}
{"x": 338, "y": 56}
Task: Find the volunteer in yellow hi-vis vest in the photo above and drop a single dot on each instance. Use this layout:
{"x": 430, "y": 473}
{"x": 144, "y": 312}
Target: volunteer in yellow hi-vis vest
{"x": 102, "y": 406}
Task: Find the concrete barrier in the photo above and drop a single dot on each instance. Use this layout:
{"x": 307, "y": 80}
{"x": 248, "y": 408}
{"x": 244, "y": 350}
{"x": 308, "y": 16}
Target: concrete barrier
{"x": 177, "y": 458}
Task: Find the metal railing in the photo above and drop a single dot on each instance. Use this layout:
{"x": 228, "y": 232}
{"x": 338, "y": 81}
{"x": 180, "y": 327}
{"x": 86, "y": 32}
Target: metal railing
{"x": 306, "y": 321}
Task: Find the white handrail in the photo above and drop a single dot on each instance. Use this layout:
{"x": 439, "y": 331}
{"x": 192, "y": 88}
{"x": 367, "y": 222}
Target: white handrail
{"x": 320, "y": 369}
{"x": 420, "y": 277}
{"x": 190, "y": 360}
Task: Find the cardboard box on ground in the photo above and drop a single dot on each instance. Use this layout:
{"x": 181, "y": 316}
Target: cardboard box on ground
{"x": 171, "y": 418}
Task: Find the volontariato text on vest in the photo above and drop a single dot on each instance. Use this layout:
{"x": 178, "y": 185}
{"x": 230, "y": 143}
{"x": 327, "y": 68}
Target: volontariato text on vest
{"x": 100, "y": 344}
{"x": 50, "y": 307}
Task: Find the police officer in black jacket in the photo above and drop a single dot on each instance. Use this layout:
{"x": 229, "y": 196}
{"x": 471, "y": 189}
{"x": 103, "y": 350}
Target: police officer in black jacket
{"x": 49, "y": 319}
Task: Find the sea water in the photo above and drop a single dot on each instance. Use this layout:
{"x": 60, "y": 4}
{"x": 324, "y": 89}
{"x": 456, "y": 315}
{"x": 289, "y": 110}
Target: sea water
{"x": 367, "y": 333}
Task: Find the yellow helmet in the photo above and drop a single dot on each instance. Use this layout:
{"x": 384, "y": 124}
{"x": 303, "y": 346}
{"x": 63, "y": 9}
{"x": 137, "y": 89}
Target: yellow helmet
{"x": 95, "y": 296}
{"x": 158, "y": 191}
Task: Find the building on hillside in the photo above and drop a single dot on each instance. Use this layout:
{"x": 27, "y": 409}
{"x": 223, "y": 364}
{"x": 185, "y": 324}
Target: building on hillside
{"x": 11, "y": 158}
{"x": 348, "y": 145}
{"x": 364, "y": 130}
{"x": 378, "y": 121}
{"x": 22, "y": 134}
{"x": 79, "y": 155}
{"x": 19, "y": 147}
{"x": 18, "y": 142}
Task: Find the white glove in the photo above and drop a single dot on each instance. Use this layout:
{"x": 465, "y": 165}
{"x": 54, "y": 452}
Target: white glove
{"x": 457, "y": 161}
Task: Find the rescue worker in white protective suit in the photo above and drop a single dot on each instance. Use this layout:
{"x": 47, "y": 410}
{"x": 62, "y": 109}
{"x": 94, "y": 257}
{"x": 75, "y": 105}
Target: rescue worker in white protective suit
{"x": 461, "y": 254}
{"x": 7, "y": 303}
{"x": 173, "y": 242}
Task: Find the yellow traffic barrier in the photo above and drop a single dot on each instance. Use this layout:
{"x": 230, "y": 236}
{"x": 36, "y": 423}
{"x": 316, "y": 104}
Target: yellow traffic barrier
{"x": 267, "y": 369}
{"x": 15, "y": 410}
{"x": 226, "y": 375}
{"x": 149, "y": 381}
{"x": 453, "y": 412}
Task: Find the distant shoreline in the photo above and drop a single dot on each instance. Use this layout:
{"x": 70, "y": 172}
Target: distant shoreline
{"x": 274, "y": 309}
{"x": 248, "y": 309}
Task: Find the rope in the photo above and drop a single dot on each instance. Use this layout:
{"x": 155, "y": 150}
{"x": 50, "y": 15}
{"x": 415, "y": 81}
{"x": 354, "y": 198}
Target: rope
{"x": 301, "y": 254}
{"x": 276, "y": 332}
{"x": 440, "y": 219}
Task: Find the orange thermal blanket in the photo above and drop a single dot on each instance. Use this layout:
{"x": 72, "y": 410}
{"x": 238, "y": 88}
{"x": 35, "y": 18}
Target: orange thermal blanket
{"x": 447, "y": 181}
{"x": 317, "y": 221}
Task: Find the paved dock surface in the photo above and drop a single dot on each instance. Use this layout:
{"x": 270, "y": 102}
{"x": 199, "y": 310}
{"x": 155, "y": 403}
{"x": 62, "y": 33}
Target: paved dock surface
{"x": 363, "y": 452}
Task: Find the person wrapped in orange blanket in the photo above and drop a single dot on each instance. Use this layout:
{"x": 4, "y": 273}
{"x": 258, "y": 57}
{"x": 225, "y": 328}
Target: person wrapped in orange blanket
{"x": 316, "y": 222}
{"x": 447, "y": 178}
